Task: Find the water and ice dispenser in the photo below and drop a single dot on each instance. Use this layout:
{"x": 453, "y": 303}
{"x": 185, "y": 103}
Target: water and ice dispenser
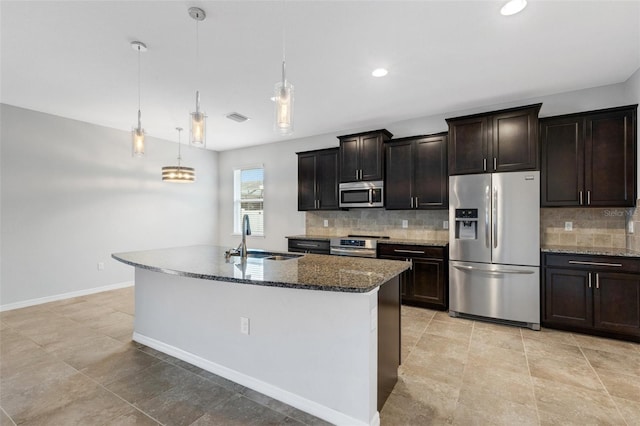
{"x": 466, "y": 226}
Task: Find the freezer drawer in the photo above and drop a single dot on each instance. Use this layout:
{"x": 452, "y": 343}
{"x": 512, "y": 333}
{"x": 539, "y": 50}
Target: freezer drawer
{"x": 500, "y": 292}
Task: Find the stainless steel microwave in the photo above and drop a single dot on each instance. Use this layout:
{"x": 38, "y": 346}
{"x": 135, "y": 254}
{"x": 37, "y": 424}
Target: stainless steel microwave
{"x": 362, "y": 194}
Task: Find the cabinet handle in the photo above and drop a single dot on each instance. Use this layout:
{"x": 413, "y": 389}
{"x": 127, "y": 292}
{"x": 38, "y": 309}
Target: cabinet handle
{"x": 360, "y": 174}
{"x": 580, "y": 194}
{"x": 411, "y": 202}
{"x": 484, "y": 164}
{"x": 589, "y": 279}
{"x": 357, "y": 174}
{"x": 417, "y": 202}
{"x": 306, "y": 245}
{"x": 409, "y": 251}
{"x": 589, "y": 197}
{"x": 597, "y": 281}
{"x": 318, "y": 203}
{"x": 580, "y": 262}
{"x": 495, "y": 163}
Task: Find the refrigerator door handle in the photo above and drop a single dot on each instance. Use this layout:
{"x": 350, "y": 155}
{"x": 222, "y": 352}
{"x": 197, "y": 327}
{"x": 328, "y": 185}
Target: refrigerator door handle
{"x": 495, "y": 272}
{"x": 487, "y": 234}
{"x": 495, "y": 217}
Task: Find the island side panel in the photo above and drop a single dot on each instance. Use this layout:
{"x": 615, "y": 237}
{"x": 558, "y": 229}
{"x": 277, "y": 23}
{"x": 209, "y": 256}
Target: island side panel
{"x": 315, "y": 350}
{"x": 388, "y": 338}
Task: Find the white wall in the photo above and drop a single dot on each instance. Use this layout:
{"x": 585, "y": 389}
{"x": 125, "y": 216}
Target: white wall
{"x": 71, "y": 194}
{"x": 280, "y": 161}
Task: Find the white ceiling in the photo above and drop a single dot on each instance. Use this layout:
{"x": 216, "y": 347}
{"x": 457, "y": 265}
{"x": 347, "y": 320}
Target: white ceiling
{"x": 73, "y": 59}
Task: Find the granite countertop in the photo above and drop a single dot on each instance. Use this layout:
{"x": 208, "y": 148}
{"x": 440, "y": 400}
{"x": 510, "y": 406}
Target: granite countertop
{"x": 310, "y": 271}
{"x": 601, "y": 251}
{"x": 435, "y": 243}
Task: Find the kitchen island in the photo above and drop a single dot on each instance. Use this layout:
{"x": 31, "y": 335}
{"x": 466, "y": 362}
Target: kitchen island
{"x": 320, "y": 333}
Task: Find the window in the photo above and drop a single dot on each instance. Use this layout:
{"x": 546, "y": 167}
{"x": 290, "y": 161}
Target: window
{"x": 248, "y": 198}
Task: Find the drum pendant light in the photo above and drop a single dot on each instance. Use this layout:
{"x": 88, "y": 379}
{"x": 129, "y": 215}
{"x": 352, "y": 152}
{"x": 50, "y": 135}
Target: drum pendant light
{"x": 179, "y": 173}
{"x": 198, "y": 119}
{"x": 137, "y": 134}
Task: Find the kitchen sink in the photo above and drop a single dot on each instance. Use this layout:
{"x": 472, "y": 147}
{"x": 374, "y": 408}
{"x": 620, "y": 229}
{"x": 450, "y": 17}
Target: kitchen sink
{"x": 259, "y": 254}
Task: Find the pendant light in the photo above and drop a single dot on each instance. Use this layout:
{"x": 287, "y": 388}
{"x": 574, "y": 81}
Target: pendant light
{"x": 198, "y": 118}
{"x": 137, "y": 134}
{"x": 284, "y": 94}
{"x": 179, "y": 173}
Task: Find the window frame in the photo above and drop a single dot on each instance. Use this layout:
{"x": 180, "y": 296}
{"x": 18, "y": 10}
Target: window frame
{"x": 237, "y": 201}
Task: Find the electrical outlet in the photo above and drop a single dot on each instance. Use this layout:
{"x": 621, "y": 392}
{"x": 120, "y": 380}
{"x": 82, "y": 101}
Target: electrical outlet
{"x": 568, "y": 226}
{"x": 405, "y": 223}
{"x": 244, "y": 325}
{"x": 100, "y": 266}
{"x": 326, "y": 223}
{"x": 445, "y": 224}
{"x": 631, "y": 227}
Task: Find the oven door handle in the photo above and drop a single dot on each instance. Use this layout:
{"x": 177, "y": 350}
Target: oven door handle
{"x": 353, "y": 252}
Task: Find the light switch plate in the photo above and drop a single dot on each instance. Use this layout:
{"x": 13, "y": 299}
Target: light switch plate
{"x": 568, "y": 226}
{"x": 405, "y": 223}
{"x": 445, "y": 224}
{"x": 631, "y": 226}
{"x": 326, "y": 223}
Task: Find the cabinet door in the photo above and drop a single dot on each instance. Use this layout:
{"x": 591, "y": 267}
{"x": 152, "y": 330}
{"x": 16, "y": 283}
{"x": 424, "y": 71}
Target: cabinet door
{"x": 514, "y": 141}
{"x": 371, "y": 152}
{"x": 610, "y": 159}
{"x": 427, "y": 285}
{"x": 562, "y": 166}
{"x": 468, "y": 146}
{"x": 430, "y": 173}
{"x": 398, "y": 188}
{"x": 617, "y": 303}
{"x": 349, "y": 165}
{"x": 306, "y": 182}
{"x": 327, "y": 180}
{"x": 568, "y": 297}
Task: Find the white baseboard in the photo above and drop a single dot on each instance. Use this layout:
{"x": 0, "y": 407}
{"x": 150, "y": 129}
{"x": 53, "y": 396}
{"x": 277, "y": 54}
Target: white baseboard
{"x": 306, "y": 405}
{"x": 41, "y": 300}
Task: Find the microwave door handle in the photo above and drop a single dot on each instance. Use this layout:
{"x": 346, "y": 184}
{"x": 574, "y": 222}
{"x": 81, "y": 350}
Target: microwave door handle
{"x": 370, "y": 195}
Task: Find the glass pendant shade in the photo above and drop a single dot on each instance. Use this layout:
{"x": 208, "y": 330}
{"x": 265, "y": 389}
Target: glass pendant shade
{"x": 198, "y": 125}
{"x": 284, "y": 107}
{"x": 137, "y": 140}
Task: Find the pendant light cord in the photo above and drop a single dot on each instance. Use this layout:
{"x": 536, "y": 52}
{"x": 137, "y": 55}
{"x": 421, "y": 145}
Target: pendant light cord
{"x": 139, "y": 113}
{"x": 284, "y": 43}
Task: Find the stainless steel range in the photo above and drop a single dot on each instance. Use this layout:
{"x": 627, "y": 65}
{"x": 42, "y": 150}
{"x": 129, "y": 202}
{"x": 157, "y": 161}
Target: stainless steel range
{"x": 355, "y": 245}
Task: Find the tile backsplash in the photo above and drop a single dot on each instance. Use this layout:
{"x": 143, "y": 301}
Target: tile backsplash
{"x": 592, "y": 227}
{"x": 421, "y": 224}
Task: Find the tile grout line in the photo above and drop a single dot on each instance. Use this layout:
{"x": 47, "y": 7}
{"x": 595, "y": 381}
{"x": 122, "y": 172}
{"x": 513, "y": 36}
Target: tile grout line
{"x": 533, "y": 387}
{"x": 600, "y": 380}
{"x": 8, "y": 416}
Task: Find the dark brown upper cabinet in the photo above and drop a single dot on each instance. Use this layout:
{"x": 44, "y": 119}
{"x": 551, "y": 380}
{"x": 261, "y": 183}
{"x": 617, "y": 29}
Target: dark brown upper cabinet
{"x": 499, "y": 141}
{"x": 589, "y": 159}
{"x": 318, "y": 180}
{"x": 362, "y": 155}
{"x": 416, "y": 173}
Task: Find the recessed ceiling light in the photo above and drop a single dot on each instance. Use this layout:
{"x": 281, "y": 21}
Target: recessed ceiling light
{"x": 512, "y": 7}
{"x": 379, "y": 72}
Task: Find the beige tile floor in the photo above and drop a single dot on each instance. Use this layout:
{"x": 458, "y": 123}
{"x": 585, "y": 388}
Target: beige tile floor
{"x": 73, "y": 363}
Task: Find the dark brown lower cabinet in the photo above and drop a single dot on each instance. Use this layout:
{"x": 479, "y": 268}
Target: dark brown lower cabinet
{"x": 426, "y": 284}
{"x": 592, "y": 294}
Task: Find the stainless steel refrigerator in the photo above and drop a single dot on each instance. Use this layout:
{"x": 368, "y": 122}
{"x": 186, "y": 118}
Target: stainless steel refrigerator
{"x": 494, "y": 247}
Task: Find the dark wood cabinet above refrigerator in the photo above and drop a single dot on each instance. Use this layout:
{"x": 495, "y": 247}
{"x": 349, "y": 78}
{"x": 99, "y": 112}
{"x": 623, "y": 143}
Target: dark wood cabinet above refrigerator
{"x": 498, "y": 141}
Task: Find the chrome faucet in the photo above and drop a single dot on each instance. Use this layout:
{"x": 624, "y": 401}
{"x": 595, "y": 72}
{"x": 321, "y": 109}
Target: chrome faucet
{"x": 246, "y": 230}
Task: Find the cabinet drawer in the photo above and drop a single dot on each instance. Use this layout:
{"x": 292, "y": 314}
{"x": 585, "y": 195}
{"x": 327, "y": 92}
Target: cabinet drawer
{"x": 599, "y": 263}
{"x": 310, "y": 246}
{"x": 410, "y": 251}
